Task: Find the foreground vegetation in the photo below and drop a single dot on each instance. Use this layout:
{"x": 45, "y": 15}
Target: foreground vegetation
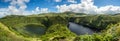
{"x": 54, "y": 27}
{"x": 7, "y": 35}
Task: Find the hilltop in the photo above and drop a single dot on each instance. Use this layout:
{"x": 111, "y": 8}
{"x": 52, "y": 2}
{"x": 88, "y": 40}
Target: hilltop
{"x": 54, "y": 27}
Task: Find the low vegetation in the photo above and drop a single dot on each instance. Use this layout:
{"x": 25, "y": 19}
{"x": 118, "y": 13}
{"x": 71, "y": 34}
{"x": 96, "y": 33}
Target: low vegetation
{"x": 98, "y": 22}
{"x": 54, "y": 27}
{"x": 7, "y": 35}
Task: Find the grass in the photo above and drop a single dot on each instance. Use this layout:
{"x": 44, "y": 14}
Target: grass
{"x": 98, "y": 22}
{"x": 7, "y": 35}
{"x": 50, "y": 27}
{"x": 57, "y": 31}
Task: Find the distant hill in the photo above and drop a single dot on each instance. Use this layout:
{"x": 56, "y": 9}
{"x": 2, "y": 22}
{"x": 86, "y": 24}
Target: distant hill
{"x": 54, "y": 27}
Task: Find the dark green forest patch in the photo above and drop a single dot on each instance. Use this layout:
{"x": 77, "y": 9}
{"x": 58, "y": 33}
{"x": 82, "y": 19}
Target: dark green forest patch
{"x": 55, "y": 27}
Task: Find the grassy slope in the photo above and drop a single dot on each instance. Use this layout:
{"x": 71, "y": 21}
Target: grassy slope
{"x": 58, "y": 32}
{"x": 56, "y": 26}
{"x": 111, "y": 34}
{"x": 18, "y": 24}
{"x": 7, "y": 35}
{"x": 98, "y": 22}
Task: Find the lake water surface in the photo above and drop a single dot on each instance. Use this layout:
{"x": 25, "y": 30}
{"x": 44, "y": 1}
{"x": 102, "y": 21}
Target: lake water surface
{"x": 79, "y": 29}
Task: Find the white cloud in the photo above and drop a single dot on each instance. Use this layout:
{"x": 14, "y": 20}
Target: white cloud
{"x": 44, "y": 10}
{"x": 57, "y": 0}
{"x": 14, "y": 10}
{"x": 72, "y": 1}
{"x": 87, "y": 6}
{"x": 40, "y": 10}
{"x": 37, "y": 9}
{"x": 3, "y": 12}
{"x": 13, "y": 6}
{"x": 109, "y": 9}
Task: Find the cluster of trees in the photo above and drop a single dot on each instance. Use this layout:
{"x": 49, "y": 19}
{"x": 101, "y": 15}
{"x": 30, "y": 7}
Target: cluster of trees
{"x": 54, "y": 28}
{"x": 58, "y": 32}
{"x": 98, "y": 22}
{"x": 44, "y": 27}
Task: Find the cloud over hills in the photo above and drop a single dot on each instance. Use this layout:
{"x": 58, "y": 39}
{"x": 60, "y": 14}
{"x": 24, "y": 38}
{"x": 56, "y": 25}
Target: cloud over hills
{"x": 40, "y": 10}
{"x": 18, "y": 7}
{"x": 87, "y": 6}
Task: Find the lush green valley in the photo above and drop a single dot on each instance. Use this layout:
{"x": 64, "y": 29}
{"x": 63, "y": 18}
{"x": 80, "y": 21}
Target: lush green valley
{"x": 54, "y": 27}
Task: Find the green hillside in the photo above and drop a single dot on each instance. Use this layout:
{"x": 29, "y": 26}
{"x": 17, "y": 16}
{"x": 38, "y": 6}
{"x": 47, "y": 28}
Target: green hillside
{"x": 98, "y": 22}
{"x": 54, "y": 27}
{"x": 7, "y": 35}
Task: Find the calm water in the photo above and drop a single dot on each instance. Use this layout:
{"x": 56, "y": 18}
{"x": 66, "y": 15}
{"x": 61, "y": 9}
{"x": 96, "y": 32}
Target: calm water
{"x": 79, "y": 29}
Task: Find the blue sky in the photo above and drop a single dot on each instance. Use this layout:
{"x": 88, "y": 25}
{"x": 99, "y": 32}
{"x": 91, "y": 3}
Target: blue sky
{"x": 51, "y": 5}
{"x": 39, "y": 3}
{"x": 107, "y": 2}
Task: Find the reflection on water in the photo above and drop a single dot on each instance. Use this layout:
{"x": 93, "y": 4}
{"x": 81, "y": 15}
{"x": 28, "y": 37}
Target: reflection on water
{"x": 79, "y": 29}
